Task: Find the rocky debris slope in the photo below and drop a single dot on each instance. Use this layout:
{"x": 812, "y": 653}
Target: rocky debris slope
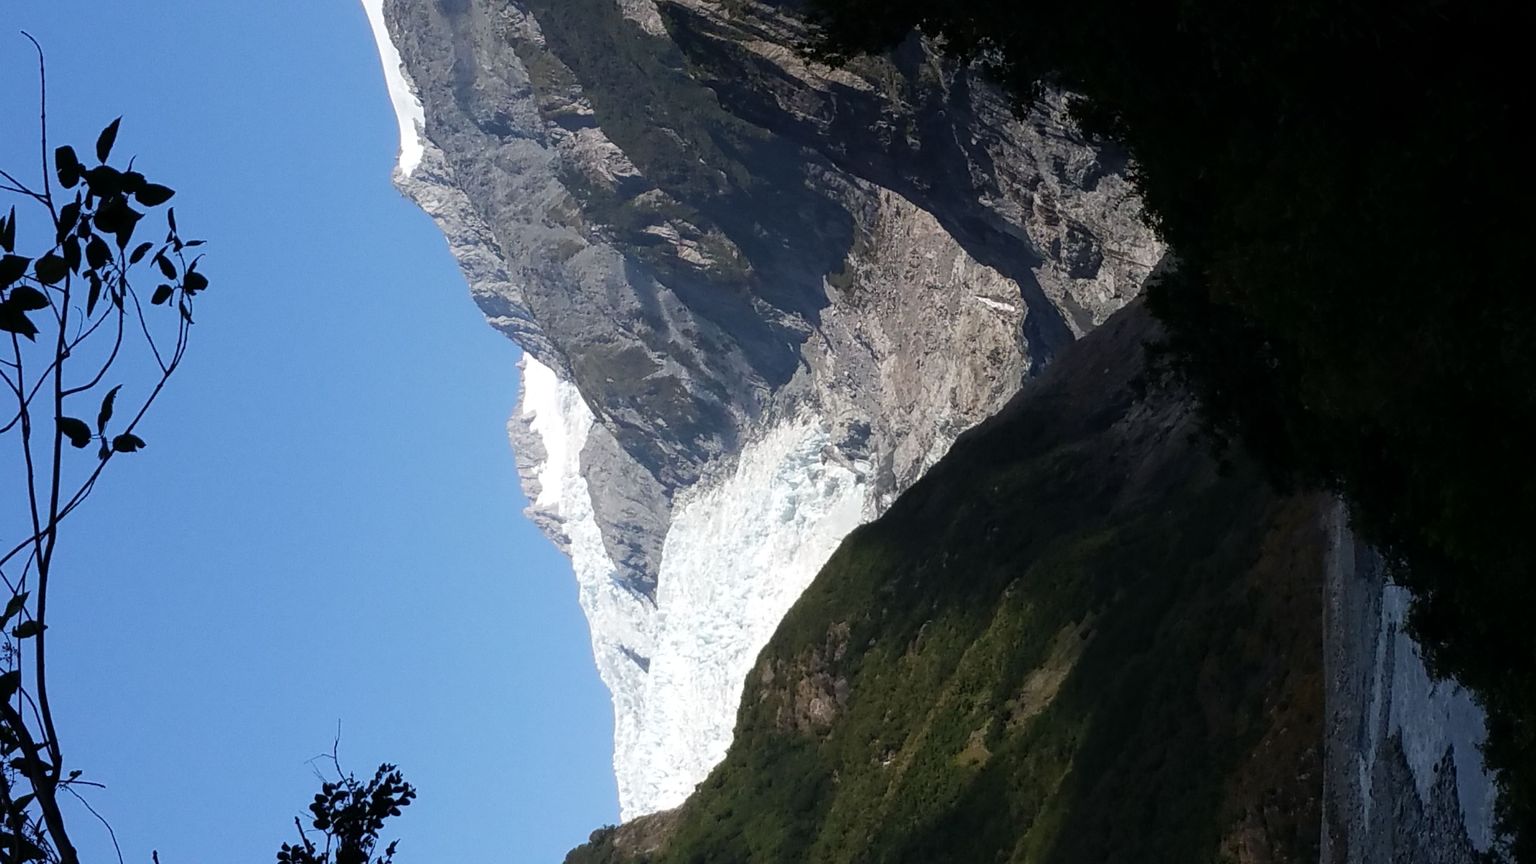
{"x": 749, "y": 321}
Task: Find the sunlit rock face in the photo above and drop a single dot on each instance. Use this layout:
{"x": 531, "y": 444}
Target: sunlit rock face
{"x": 759, "y": 298}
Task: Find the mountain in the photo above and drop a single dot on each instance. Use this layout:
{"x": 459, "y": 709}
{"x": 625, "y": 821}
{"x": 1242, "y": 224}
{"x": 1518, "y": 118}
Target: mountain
{"x": 1081, "y": 637}
{"x": 751, "y": 318}
{"x": 760, "y": 299}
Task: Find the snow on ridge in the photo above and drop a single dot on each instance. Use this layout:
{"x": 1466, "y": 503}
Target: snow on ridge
{"x": 737, "y": 556}
{"x": 402, "y": 93}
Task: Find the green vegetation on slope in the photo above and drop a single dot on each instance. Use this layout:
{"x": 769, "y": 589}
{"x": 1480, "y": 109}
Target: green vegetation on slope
{"x": 1063, "y": 645}
{"x": 1344, "y": 183}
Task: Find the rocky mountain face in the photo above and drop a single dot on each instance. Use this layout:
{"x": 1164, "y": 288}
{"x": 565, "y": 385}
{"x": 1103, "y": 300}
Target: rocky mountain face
{"x": 758, "y": 300}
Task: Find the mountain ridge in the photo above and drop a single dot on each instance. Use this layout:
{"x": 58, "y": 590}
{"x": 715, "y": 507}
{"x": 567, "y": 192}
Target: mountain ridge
{"x": 712, "y": 286}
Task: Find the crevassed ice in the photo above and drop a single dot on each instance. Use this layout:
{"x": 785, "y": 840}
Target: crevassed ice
{"x": 402, "y": 94}
{"x": 736, "y": 557}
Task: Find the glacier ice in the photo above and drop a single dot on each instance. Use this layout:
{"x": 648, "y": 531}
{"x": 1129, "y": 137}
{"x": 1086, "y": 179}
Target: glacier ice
{"x": 736, "y": 557}
{"x": 739, "y": 552}
{"x": 555, "y": 411}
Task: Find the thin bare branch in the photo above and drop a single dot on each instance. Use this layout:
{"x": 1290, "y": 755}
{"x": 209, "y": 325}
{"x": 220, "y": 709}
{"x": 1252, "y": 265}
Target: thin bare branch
{"x": 69, "y": 787}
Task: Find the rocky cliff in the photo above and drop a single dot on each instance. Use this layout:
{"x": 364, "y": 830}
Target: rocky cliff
{"x": 758, "y": 299}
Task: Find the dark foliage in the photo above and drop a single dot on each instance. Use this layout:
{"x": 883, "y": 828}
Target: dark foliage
{"x": 1345, "y": 190}
{"x": 348, "y": 814}
{"x": 70, "y": 314}
{"x": 76, "y": 318}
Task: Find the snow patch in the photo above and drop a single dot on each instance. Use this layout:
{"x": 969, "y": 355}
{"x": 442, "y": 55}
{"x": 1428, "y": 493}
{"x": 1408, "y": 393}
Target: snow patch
{"x": 645, "y": 14}
{"x": 736, "y": 557}
{"x": 402, "y": 93}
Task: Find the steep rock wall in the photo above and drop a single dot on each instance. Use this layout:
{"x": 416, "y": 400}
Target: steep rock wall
{"x": 749, "y": 323}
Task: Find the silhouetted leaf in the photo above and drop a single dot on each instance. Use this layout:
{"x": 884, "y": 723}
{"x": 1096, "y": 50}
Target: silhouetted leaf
{"x": 191, "y": 243}
{"x": 13, "y": 267}
{"x": 127, "y": 443}
{"x": 110, "y": 215}
{"x": 106, "y": 140}
{"x": 76, "y": 431}
{"x": 68, "y": 166}
{"x": 166, "y": 267}
{"x": 26, "y": 630}
{"x": 133, "y": 181}
{"x": 93, "y": 295}
{"x": 69, "y": 217}
{"x": 10, "y": 682}
{"x": 195, "y": 282}
{"x": 8, "y": 232}
{"x": 27, "y": 299}
{"x": 105, "y": 181}
{"x": 71, "y": 250}
{"x": 104, "y": 416}
{"x": 13, "y": 320}
{"x": 153, "y": 195}
{"x": 50, "y": 269}
{"x": 117, "y": 218}
{"x": 13, "y": 606}
{"x": 170, "y": 219}
{"x": 97, "y": 253}
{"x": 139, "y": 252}
{"x": 162, "y": 294}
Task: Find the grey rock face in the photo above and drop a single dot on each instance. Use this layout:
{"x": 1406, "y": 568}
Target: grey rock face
{"x": 711, "y": 240}
{"x": 665, "y": 205}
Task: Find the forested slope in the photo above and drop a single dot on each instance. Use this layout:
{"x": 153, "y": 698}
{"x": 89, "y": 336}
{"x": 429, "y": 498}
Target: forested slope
{"x": 1079, "y": 638}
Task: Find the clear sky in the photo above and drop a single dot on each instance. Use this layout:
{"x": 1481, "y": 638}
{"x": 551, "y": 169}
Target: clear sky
{"x": 326, "y": 525}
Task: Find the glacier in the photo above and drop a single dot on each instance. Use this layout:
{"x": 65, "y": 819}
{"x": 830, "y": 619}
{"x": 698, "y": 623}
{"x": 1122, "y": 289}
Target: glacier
{"x": 736, "y": 558}
{"x": 769, "y": 526}
{"x": 555, "y": 412}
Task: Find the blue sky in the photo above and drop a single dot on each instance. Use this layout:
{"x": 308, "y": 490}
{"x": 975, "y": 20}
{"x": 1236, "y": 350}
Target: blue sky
{"x": 326, "y": 524}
